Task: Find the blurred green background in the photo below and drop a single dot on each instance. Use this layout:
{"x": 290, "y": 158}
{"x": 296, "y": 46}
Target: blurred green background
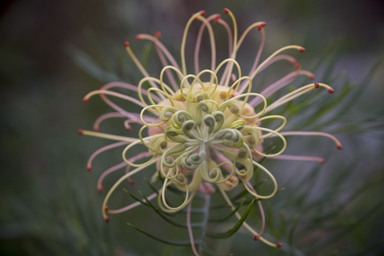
{"x": 54, "y": 52}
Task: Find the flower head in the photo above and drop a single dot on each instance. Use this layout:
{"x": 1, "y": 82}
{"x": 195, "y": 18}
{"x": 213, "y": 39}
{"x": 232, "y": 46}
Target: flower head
{"x": 203, "y": 134}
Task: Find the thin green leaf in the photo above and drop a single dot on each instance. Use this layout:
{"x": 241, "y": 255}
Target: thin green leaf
{"x": 245, "y": 192}
{"x": 170, "y": 242}
{"x": 134, "y": 197}
{"x": 230, "y": 215}
{"x": 235, "y": 228}
{"x": 152, "y": 187}
{"x": 162, "y": 214}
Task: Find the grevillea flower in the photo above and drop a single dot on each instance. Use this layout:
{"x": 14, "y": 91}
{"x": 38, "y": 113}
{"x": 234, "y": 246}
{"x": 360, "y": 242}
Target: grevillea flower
{"x": 203, "y": 135}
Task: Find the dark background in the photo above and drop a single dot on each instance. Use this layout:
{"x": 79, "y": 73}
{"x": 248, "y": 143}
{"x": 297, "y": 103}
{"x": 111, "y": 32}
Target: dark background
{"x": 49, "y": 203}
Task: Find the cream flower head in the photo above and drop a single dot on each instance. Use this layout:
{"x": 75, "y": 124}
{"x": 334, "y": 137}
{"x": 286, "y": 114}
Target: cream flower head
{"x": 203, "y": 134}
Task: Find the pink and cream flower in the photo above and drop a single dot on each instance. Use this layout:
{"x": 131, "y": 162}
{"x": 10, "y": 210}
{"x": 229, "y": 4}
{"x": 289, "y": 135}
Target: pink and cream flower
{"x": 203, "y": 134}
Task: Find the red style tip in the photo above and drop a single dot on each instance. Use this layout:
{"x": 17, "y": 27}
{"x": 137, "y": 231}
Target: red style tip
{"x": 106, "y": 219}
{"x": 296, "y": 65}
{"x": 85, "y": 100}
{"x": 263, "y": 24}
{"x": 132, "y": 182}
{"x": 322, "y": 161}
{"x": 137, "y": 38}
{"x": 80, "y": 132}
{"x": 255, "y": 238}
{"x": 339, "y": 147}
{"x": 106, "y": 208}
{"x": 278, "y": 244}
{"x": 217, "y": 18}
{"x": 258, "y": 28}
{"x": 301, "y": 49}
{"x": 96, "y": 129}
{"x": 312, "y": 77}
{"x": 202, "y": 13}
{"x": 89, "y": 168}
{"x": 317, "y": 85}
{"x": 100, "y": 189}
{"x": 128, "y": 128}
{"x": 330, "y": 90}
{"x": 226, "y": 10}
{"x": 158, "y": 34}
{"x": 126, "y": 44}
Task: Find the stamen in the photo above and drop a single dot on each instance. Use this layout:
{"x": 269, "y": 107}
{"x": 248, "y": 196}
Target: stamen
{"x": 184, "y": 69}
{"x": 273, "y": 55}
{"x": 127, "y": 86}
{"x": 296, "y": 93}
{"x": 259, "y": 26}
{"x": 338, "y": 144}
{"x": 130, "y": 146}
{"x": 141, "y": 68}
{"x": 272, "y": 178}
{"x": 131, "y": 206}
{"x": 245, "y": 224}
{"x": 161, "y": 50}
{"x": 173, "y": 209}
{"x": 233, "y": 76}
{"x": 233, "y": 61}
{"x": 272, "y": 116}
{"x": 164, "y": 92}
{"x": 108, "y": 136}
{"x": 229, "y": 32}
{"x": 105, "y": 173}
{"x": 119, "y": 95}
{"x": 300, "y": 158}
{"x": 115, "y": 186}
{"x": 117, "y": 108}
{"x": 289, "y": 58}
{"x": 164, "y": 63}
{"x": 261, "y": 212}
{"x": 258, "y": 52}
{"x": 198, "y": 43}
{"x": 101, "y": 150}
{"x": 104, "y": 117}
{"x": 190, "y": 233}
{"x": 128, "y": 121}
{"x": 279, "y": 84}
{"x": 233, "y": 55}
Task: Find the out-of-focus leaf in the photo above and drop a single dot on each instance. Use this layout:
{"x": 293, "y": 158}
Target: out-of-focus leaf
{"x": 333, "y": 238}
{"x": 90, "y": 66}
{"x": 211, "y": 253}
{"x": 292, "y": 230}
